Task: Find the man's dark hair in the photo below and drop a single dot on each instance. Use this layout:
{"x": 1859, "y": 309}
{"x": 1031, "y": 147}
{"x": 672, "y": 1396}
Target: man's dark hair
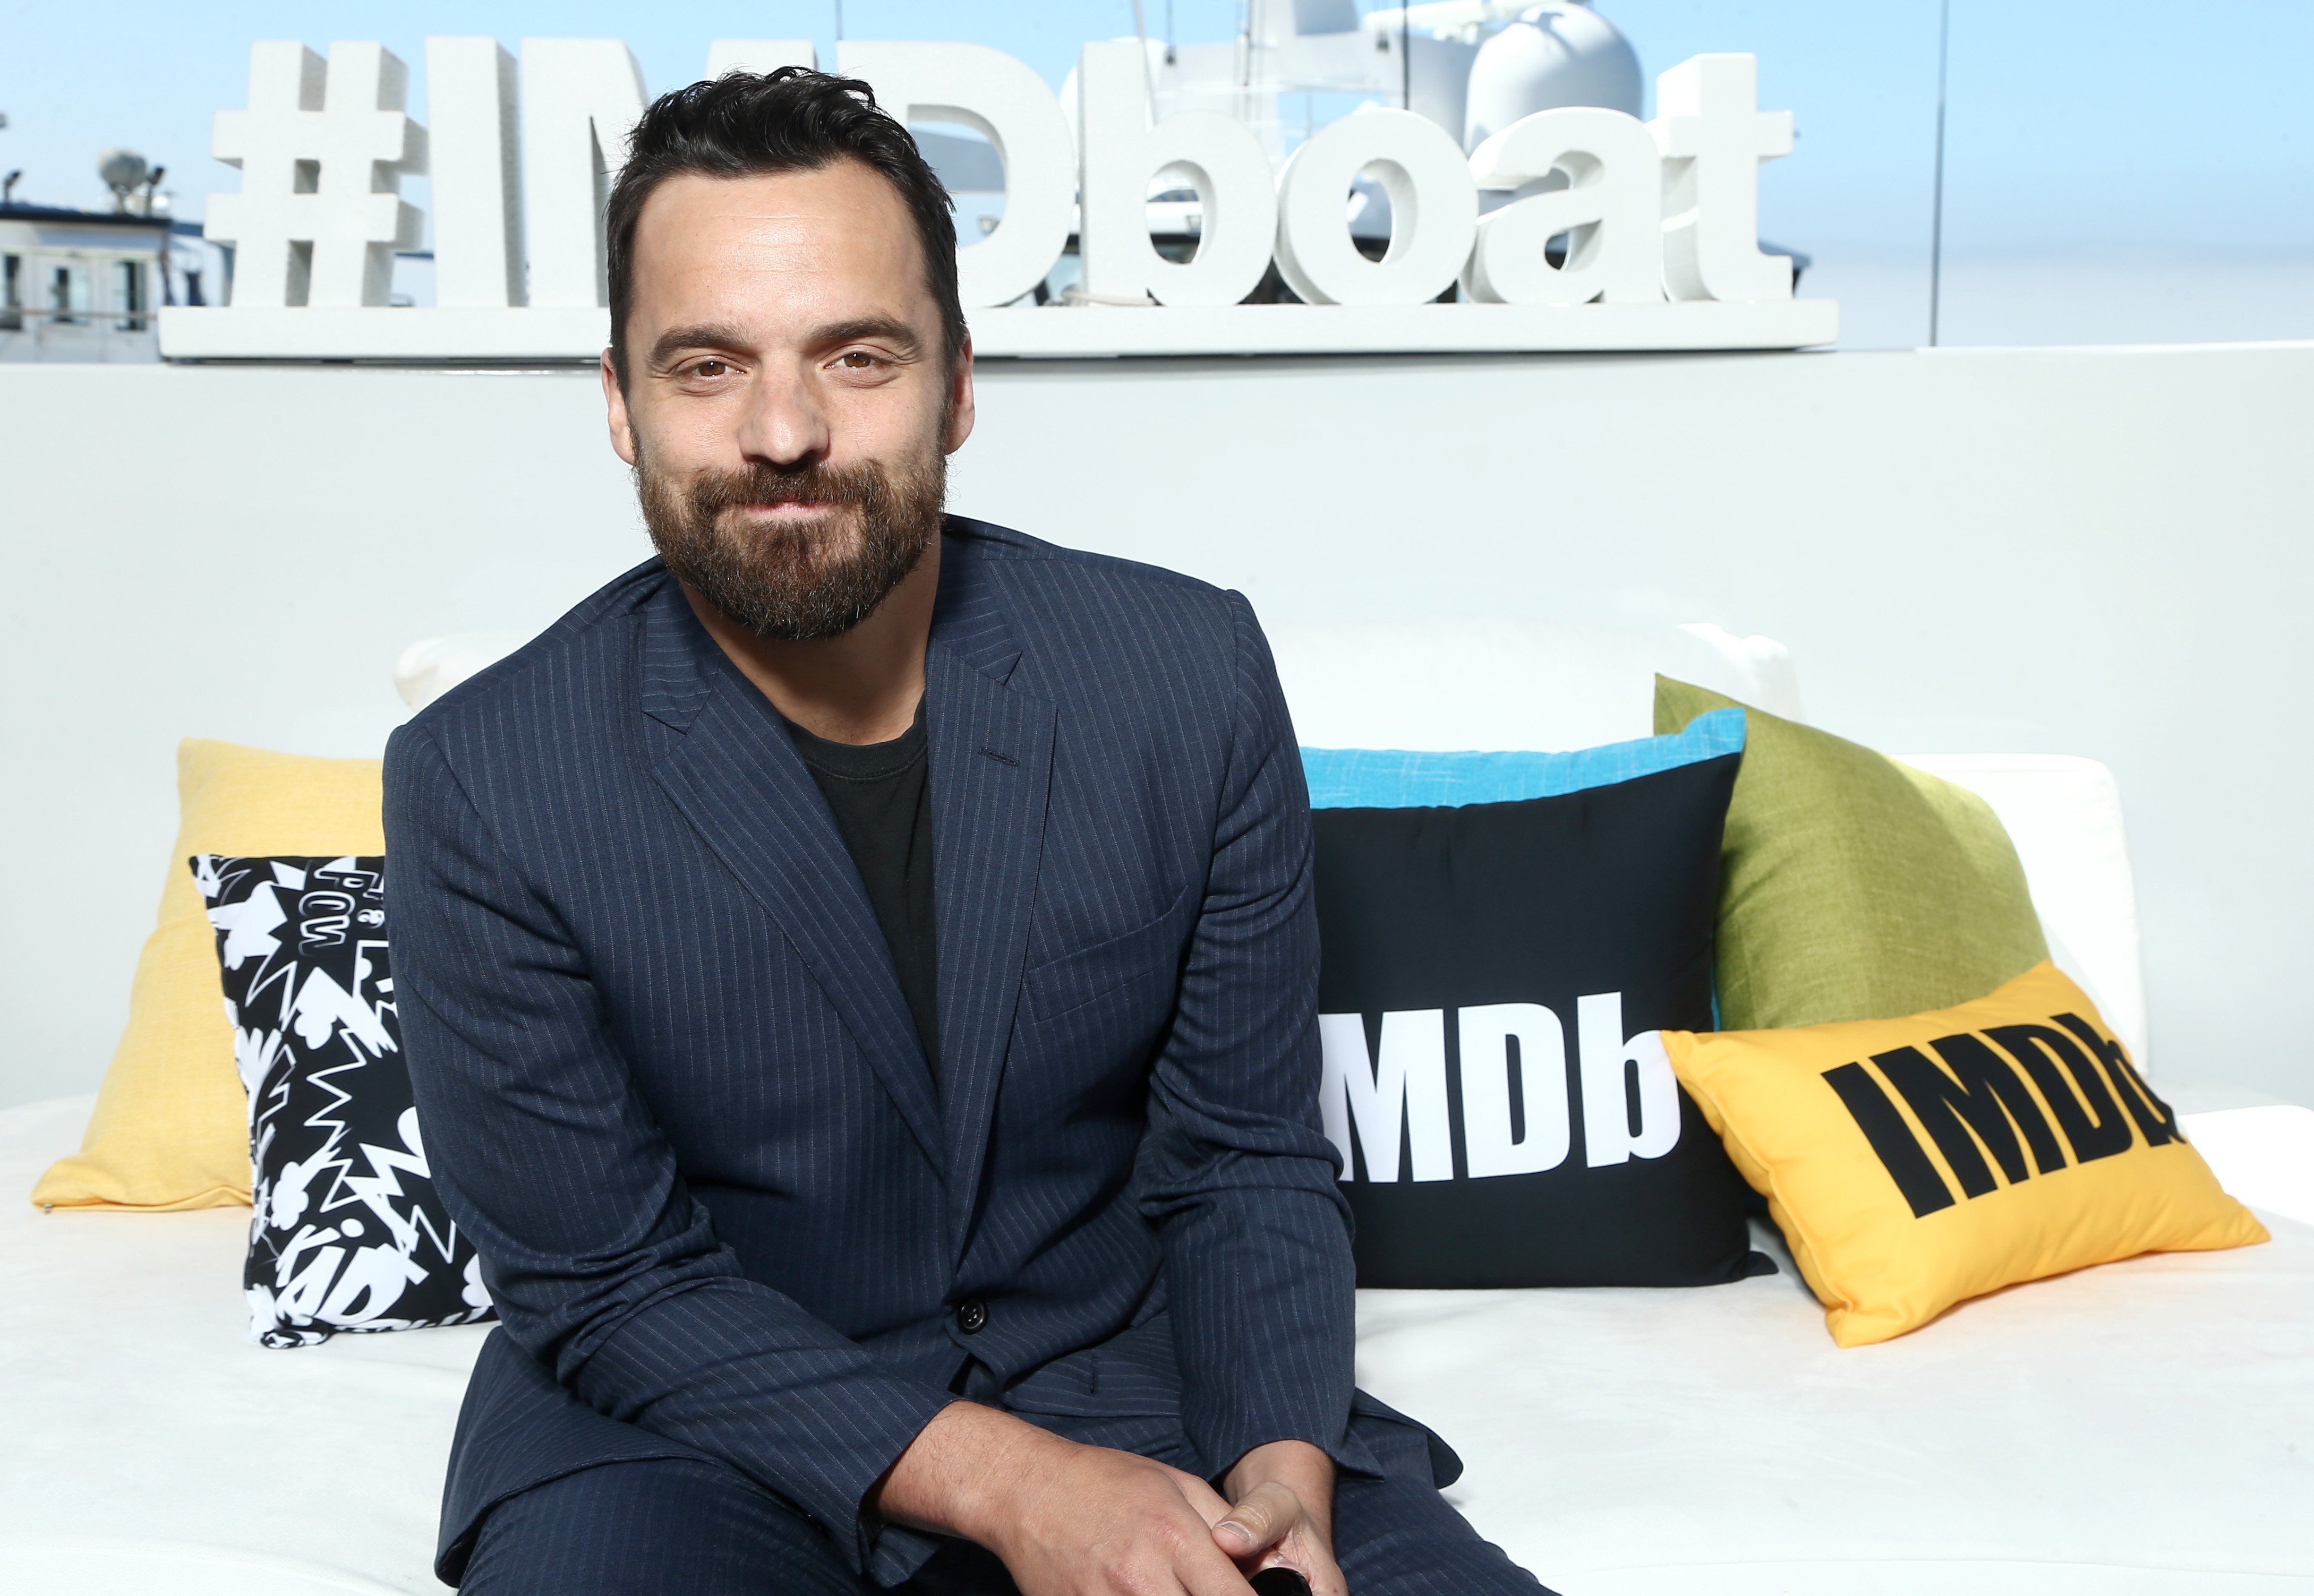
{"x": 746, "y": 123}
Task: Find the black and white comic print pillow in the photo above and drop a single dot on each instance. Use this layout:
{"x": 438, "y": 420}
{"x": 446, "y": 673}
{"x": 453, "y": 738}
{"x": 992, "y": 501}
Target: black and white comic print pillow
{"x": 348, "y": 1232}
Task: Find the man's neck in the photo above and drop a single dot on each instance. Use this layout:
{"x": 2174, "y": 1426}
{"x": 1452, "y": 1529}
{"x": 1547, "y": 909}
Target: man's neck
{"x": 863, "y": 687}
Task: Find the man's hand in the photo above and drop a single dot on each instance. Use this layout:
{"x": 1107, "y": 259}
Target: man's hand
{"x": 1282, "y": 1513}
{"x": 1067, "y": 1520}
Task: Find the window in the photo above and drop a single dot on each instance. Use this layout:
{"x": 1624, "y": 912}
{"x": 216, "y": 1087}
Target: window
{"x": 128, "y": 294}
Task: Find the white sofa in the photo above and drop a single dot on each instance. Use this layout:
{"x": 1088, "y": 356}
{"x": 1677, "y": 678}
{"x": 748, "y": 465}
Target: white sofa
{"x": 2147, "y": 1426}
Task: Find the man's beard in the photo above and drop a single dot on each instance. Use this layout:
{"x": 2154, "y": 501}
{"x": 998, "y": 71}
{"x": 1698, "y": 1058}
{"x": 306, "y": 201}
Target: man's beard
{"x": 799, "y": 583}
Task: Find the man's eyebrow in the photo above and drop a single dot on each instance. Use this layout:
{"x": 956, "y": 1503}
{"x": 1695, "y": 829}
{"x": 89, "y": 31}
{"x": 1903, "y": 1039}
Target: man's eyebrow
{"x": 716, "y": 335}
{"x": 885, "y": 328}
{"x": 705, "y": 335}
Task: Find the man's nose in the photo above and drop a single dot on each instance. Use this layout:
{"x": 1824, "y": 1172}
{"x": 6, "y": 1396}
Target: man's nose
{"x": 784, "y": 424}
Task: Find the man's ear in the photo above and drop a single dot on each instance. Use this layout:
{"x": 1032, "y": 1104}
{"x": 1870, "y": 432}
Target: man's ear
{"x": 614, "y": 400}
{"x": 960, "y": 400}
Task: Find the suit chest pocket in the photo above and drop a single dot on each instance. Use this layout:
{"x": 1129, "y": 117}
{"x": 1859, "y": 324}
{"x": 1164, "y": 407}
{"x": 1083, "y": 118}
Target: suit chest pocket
{"x": 1148, "y": 953}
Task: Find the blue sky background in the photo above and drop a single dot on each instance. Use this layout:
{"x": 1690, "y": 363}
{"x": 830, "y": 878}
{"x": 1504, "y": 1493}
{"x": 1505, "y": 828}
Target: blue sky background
{"x": 2117, "y": 170}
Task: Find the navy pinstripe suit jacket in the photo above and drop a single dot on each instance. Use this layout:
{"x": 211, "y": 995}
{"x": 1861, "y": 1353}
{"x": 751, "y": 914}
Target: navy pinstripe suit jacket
{"x": 671, "y": 1089}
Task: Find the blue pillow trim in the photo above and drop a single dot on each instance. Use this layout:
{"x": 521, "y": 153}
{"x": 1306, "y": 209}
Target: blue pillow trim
{"x": 1407, "y": 779}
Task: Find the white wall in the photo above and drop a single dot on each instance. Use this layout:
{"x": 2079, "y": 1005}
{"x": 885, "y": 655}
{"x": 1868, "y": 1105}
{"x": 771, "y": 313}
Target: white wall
{"x": 2079, "y": 551}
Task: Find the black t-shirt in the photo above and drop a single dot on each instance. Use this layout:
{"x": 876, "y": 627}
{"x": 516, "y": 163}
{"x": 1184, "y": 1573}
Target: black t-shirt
{"x": 882, "y": 797}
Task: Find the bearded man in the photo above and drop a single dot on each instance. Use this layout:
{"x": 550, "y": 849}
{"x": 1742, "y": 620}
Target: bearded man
{"x": 858, "y": 971}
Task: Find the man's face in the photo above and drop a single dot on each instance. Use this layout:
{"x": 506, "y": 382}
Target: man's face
{"x": 788, "y": 408}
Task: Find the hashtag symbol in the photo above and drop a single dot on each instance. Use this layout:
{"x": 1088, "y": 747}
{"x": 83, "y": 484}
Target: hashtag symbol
{"x": 322, "y": 157}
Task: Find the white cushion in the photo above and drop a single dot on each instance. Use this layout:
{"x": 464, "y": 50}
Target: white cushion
{"x": 119, "y": 1566}
{"x": 2135, "y": 1428}
{"x": 2138, "y": 1427}
{"x": 431, "y": 667}
{"x": 1490, "y": 683}
{"x": 144, "y": 1422}
{"x": 2263, "y": 1155}
{"x": 2064, "y": 816}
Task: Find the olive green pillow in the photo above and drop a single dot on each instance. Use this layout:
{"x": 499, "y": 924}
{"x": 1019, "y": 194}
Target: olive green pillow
{"x": 1852, "y": 886}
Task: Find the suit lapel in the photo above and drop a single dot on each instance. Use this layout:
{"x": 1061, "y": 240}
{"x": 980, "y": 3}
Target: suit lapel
{"x": 992, "y": 761}
{"x": 738, "y": 779}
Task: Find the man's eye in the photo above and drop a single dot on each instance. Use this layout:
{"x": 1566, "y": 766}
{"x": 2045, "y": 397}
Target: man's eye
{"x": 710, "y": 368}
{"x": 857, "y": 360}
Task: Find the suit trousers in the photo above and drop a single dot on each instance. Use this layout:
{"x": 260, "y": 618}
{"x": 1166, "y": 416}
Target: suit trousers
{"x": 690, "y": 1527}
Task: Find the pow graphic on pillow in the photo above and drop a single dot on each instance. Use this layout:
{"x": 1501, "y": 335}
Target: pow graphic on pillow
{"x": 348, "y": 1232}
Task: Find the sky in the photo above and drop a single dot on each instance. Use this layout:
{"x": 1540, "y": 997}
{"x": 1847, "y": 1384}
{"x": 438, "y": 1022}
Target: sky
{"x": 2105, "y": 158}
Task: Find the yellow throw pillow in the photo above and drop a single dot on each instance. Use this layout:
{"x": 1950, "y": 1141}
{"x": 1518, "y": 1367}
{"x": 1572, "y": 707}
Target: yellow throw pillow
{"x": 170, "y": 1128}
{"x": 1914, "y": 1163}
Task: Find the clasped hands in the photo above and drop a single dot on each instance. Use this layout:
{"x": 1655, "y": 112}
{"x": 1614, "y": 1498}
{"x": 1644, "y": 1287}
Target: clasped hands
{"x": 1071, "y": 1519}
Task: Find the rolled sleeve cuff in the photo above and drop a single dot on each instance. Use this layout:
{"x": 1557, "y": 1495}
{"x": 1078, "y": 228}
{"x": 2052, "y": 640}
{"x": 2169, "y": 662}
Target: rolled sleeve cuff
{"x": 891, "y": 1554}
{"x": 824, "y": 1449}
{"x": 1338, "y": 1439}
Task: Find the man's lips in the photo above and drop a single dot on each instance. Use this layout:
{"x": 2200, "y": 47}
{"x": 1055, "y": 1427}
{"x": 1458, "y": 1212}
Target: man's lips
{"x": 787, "y": 506}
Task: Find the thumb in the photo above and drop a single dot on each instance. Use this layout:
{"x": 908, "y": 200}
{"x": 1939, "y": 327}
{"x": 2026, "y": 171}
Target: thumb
{"x": 1257, "y": 1520}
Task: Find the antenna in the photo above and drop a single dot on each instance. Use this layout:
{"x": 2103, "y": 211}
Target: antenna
{"x": 1937, "y": 215}
{"x": 1405, "y": 57}
{"x": 1148, "y": 72}
{"x": 121, "y": 170}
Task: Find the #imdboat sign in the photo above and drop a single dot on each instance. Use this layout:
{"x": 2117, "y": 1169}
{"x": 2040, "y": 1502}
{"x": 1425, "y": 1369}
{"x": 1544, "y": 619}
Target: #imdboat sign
{"x": 1659, "y": 221}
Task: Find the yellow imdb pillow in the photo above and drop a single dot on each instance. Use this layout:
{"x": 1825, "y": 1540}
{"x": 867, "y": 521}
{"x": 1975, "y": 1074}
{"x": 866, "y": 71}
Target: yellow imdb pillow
{"x": 170, "y": 1128}
{"x": 1914, "y": 1163}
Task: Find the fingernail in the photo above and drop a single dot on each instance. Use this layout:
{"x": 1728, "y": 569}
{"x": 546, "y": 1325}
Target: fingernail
{"x": 1236, "y": 1529}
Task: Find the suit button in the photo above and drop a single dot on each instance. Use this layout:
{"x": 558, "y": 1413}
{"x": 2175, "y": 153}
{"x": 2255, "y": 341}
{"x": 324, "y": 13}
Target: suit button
{"x": 971, "y": 1315}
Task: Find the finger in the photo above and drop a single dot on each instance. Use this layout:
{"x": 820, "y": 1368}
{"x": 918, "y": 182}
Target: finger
{"x": 1324, "y": 1574}
{"x": 1209, "y": 1503}
{"x": 1203, "y": 1571}
{"x": 1258, "y": 1520}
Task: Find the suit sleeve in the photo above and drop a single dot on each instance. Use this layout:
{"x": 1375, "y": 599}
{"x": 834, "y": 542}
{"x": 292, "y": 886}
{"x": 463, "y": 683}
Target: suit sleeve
{"x": 1235, "y": 1169}
{"x": 603, "y": 1268}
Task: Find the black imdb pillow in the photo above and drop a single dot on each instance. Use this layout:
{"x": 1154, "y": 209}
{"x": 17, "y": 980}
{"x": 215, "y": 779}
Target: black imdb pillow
{"x": 1492, "y": 977}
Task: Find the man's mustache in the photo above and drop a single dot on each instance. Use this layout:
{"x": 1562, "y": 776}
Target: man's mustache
{"x": 712, "y": 492}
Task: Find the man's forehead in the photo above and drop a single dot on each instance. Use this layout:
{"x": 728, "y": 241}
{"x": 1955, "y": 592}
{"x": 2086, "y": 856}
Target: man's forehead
{"x": 835, "y": 231}
{"x": 844, "y": 183}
